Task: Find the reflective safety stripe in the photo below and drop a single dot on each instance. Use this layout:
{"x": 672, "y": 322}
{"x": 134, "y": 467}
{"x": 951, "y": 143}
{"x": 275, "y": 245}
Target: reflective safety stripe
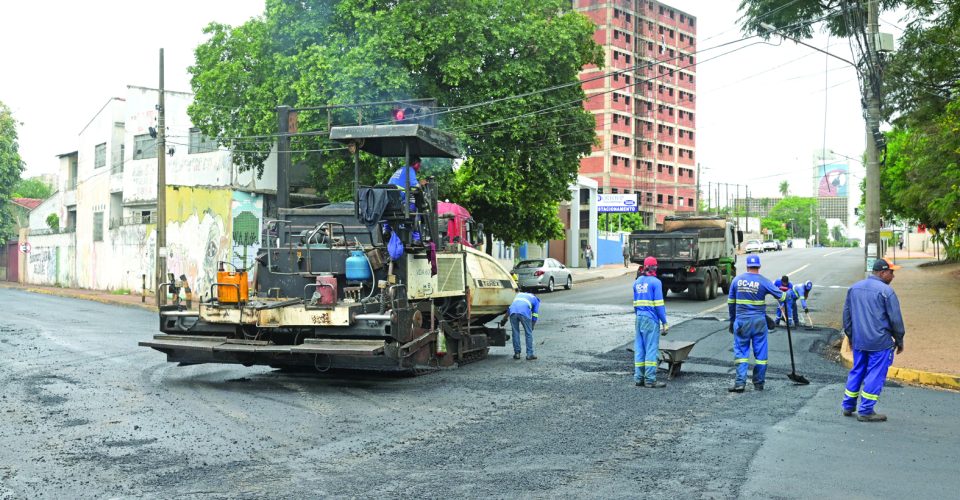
{"x": 524, "y": 300}
{"x": 651, "y": 303}
{"x": 536, "y": 315}
{"x": 731, "y": 301}
{"x": 741, "y": 360}
{"x": 761, "y": 361}
{"x": 871, "y": 397}
{"x": 851, "y": 394}
{"x": 783, "y": 297}
{"x": 644, "y": 363}
{"x": 749, "y": 302}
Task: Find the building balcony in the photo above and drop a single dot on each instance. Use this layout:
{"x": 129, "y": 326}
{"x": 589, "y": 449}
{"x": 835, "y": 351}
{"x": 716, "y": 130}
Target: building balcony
{"x": 70, "y": 196}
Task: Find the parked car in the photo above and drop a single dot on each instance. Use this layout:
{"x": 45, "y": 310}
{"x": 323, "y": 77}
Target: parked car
{"x": 544, "y": 274}
{"x": 770, "y": 246}
{"x": 753, "y": 246}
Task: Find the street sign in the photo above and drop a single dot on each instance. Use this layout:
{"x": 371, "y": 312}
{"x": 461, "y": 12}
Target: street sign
{"x": 886, "y": 234}
{"x": 25, "y": 247}
{"x": 607, "y": 203}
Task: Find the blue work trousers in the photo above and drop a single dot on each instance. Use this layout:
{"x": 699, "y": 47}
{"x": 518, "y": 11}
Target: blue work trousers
{"x": 866, "y": 379}
{"x": 792, "y": 310}
{"x": 515, "y": 321}
{"x": 646, "y": 348}
{"x": 747, "y": 331}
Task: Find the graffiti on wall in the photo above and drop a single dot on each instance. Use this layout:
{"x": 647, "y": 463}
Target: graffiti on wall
{"x": 43, "y": 265}
{"x": 198, "y": 234}
{"x": 247, "y": 215}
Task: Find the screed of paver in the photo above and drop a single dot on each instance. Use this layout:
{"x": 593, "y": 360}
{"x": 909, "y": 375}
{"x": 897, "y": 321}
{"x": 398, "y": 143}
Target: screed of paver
{"x": 930, "y": 303}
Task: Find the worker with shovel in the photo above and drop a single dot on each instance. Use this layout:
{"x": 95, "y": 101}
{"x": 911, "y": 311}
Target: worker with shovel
{"x": 650, "y": 324}
{"x": 874, "y": 327}
{"x": 748, "y": 322}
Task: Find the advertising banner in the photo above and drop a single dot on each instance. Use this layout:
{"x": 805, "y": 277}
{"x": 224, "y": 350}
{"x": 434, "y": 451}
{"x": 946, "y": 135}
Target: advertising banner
{"x": 608, "y": 203}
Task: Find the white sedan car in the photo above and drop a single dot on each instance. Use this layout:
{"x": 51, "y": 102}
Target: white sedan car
{"x": 753, "y": 246}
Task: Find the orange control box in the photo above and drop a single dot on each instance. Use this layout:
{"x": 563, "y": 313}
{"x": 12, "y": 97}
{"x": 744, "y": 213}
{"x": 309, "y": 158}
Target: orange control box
{"x": 227, "y": 293}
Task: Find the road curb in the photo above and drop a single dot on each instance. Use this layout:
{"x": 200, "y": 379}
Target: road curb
{"x": 907, "y": 375}
{"x": 81, "y": 296}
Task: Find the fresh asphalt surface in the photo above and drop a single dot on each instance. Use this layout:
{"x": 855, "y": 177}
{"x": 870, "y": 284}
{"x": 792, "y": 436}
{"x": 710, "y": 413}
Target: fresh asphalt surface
{"x": 85, "y": 413}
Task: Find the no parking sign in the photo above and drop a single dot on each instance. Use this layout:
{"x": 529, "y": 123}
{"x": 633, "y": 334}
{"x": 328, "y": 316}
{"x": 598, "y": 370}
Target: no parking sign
{"x": 25, "y": 247}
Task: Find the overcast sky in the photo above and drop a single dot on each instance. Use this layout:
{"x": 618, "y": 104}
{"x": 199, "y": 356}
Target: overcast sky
{"x": 762, "y": 112}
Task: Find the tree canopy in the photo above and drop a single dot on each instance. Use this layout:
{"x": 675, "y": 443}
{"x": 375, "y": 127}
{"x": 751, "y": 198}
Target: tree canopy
{"x": 34, "y": 187}
{"x": 11, "y": 166}
{"x": 790, "y": 217}
{"x": 521, "y": 153}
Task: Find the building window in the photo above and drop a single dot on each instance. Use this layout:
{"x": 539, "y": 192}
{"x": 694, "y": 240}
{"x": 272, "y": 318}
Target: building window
{"x": 100, "y": 155}
{"x": 659, "y": 199}
{"x": 671, "y": 14}
{"x": 626, "y": 57}
{"x": 626, "y": 163}
{"x": 144, "y": 147}
{"x": 649, "y": 197}
{"x": 616, "y": 13}
{"x": 98, "y": 226}
{"x": 650, "y": 46}
{"x": 627, "y": 16}
{"x": 626, "y": 99}
{"x": 680, "y": 201}
{"x": 670, "y": 200}
{"x": 200, "y": 143}
{"x": 614, "y": 190}
{"x": 661, "y": 10}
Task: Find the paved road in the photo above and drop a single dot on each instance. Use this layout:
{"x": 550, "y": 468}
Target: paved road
{"x": 86, "y": 413}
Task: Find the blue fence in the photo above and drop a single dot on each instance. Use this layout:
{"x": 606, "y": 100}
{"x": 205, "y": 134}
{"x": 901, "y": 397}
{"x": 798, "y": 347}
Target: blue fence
{"x": 610, "y": 251}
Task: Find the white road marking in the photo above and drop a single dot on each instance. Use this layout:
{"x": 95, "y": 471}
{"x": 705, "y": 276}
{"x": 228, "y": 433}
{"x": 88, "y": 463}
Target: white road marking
{"x": 836, "y": 252}
{"x": 797, "y": 270}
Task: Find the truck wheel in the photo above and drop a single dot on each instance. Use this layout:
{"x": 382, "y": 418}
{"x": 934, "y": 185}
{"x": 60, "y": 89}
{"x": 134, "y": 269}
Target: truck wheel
{"x": 712, "y": 288}
{"x": 550, "y": 286}
{"x": 703, "y": 291}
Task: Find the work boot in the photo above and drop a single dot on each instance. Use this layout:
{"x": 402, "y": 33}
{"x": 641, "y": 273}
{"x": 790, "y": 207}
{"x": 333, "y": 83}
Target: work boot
{"x": 656, "y": 385}
{"x": 846, "y": 413}
{"x": 516, "y": 355}
{"x": 872, "y": 417}
{"x": 758, "y": 387}
{"x": 640, "y": 384}
{"x": 736, "y": 388}
{"x": 531, "y": 357}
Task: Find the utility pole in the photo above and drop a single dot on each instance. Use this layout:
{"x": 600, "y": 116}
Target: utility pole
{"x": 747, "y": 218}
{"x": 696, "y": 199}
{"x": 872, "y": 237}
{"x": 709, "y": 197}
{"x": 161, "y": 268}
{"x": 283, "y": 158}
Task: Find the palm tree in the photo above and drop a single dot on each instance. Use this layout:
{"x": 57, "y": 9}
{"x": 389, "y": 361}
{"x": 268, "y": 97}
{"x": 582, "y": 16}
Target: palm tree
{"x": 784, "y": 188}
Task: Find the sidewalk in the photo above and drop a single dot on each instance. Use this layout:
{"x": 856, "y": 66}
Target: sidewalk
{"x": 104, "y": 297}
{"x": 930, "y": 303}
{"x": 582, "y": 275}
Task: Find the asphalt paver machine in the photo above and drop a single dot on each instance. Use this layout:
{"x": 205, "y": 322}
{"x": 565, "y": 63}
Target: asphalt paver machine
{"x": 375, "y": 284}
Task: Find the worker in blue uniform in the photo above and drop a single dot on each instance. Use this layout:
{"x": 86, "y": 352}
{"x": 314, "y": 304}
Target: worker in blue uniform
{"x": 403, "y": 176}
{"x": 784, "y": 285}
{"x": 874, "y": 327}
{"x": 524, "y": 311}
{"x": 748, "y": 322}
{"x": 651, "y": 323}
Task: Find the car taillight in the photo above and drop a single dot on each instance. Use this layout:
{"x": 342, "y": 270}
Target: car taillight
{"x": 692, "y": 269}
{"x": 538, "y": 272}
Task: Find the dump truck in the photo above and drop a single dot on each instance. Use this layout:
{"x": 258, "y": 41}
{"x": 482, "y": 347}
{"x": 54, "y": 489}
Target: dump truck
{"x": 695, "y": 253}
{"x": 389, "y": 282}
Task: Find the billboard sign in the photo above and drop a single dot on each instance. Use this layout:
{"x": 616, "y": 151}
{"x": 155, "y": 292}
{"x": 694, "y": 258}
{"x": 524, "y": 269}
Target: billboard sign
{"x": 833, "y": 179}
{"x": 609, "y": 203}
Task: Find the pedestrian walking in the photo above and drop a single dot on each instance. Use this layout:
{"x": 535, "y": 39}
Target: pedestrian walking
{"x": 650, "y": 324}
{"x": 874, "y": 327}
{"x": 524, "y": 311}
{"x": 748, "y": 322}
{"x": 588, "y": 255}
{"x": 626, "y": 255}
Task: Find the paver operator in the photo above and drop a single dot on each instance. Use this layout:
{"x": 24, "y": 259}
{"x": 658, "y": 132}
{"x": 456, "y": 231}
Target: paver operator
{"x": 651, "y": 323}
{"x": 748, "y": 322}
{"x": 874, "y": 327}
{"x": 524, "y": 311}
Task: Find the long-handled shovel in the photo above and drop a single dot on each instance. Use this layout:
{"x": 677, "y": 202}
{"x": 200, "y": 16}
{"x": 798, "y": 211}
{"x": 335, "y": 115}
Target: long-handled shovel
{"x": 793, "y": 375}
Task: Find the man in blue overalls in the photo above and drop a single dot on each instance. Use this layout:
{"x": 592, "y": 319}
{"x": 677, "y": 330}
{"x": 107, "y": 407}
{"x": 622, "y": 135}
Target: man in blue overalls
{"x": 748, "y": 322}
{"x": 651, "y": 322}
{"x": 525, "y": 310}
{"x": 874, "y": 327}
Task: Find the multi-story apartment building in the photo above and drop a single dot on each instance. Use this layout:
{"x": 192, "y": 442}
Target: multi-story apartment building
{"x": 644, "y": 103}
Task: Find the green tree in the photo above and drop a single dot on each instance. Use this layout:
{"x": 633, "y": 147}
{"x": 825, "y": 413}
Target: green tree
{"x": 11, "y": 166}
{"x": 792, "y": 214}
{"x": 784, "y": 189}
{"x": 799, "y": 18}
{"x": 34, "y": 187}
{"x": 519, "y": 161}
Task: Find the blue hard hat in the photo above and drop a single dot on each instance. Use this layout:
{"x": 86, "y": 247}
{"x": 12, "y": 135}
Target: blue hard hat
{"x": 808, "y": 285}
{"x": 753, "y": 260}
